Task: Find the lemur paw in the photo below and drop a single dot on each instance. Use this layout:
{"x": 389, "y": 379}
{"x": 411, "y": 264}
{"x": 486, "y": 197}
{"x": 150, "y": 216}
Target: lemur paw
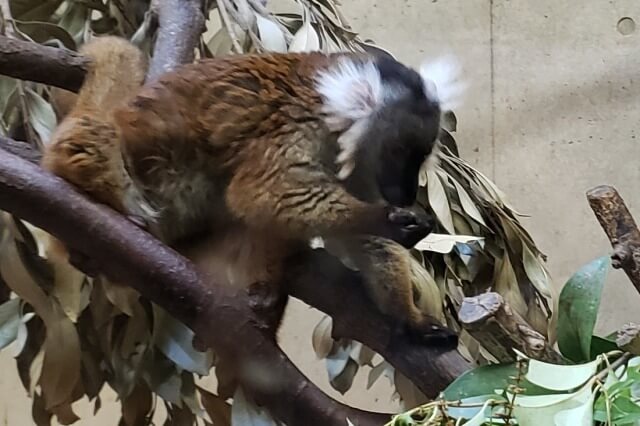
{"x": 409, "y": 226}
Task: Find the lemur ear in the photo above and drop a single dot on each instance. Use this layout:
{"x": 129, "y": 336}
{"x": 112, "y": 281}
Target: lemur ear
{"x": 352, "y": 91}
{"x": 442, "y": 81}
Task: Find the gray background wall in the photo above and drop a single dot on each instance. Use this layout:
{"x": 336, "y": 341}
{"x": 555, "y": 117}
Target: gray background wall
{"x": 551, "y": 112}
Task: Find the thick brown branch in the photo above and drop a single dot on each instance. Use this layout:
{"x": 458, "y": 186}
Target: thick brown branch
{"x": 43, "y": 64}
{"x": 321, "y": 281}
{"x": 129, "y": 255}
{"x": 181, "y": 24}
{"x": 490, "y": 320}
{"x": 618, "y": 224}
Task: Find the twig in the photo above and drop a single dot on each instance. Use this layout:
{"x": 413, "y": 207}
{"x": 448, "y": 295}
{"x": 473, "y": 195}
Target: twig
{"x": 226, "y": 21}
{"x": 618, "y": 224}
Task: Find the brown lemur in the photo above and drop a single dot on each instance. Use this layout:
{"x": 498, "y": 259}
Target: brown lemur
{"x": 265, "y": 152}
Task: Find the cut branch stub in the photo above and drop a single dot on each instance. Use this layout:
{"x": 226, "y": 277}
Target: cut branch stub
{"x": 628, "y": 338}
{"x": 618, "y": 224}
{"x": 490, "y": 320}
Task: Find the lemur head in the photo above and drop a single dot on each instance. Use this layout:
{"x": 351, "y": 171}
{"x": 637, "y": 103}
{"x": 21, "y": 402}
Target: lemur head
{"x": 388, "y": 117}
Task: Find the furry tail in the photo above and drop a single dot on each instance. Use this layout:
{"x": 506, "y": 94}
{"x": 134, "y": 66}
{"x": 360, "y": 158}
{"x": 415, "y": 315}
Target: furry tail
{"x": 117, "y": 70}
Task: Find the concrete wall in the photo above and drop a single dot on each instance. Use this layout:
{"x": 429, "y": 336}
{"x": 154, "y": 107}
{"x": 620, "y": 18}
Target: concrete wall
{"x": 549, "y": 115}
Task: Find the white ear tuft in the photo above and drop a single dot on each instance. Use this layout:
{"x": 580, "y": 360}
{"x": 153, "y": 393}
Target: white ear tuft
{"x": 348, "y": 143}
{"x": 442, "y": 82}
{"x": 352, "y": 90}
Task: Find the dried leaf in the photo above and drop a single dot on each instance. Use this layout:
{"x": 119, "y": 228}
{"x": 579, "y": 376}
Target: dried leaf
{"x": 343, "y": 381}
{"x": 449, "y": 121}
{"x": 362, "y": 354}
{"x": 40, "y": 114}
{"x": 41, "y": 416}
{"x": 42, "y": 32}
{"x": 163, "y": 378}
{"x": 506, "y": 284}
{"x": 9, "y": 322}
{"x": 376, "y": 372}
{"x": 271, "y": 35}
{"x": 75, "y": 20}
{"x": 306, "y": 39}
{"x": 467, "y": 203}
{"x": 62, "y": 359}
{"x": 321, "y": 338}
{"x": 444, "y": 243}
{"x": 220, "y": 44}
{"x": 189, "y": 396}
{"x": 337, "y": 360}
{"x": 439, "y": 202}
{"x": 246, "y": 413}
{"x": 65, "y": 415}
{"x": 535, "y": 271}
{"x": 409, "y": 393}
{"x": 7, "y": 89}
{"x": 175, "y": 340}
{"x": 68, "y": 289}
{"x": 218, "y": 409}
{"x": 137, "y": 406}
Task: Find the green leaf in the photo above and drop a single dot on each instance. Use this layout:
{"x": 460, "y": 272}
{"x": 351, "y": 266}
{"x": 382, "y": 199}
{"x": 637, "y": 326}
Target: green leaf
{"x": 560, "y": 377}
{"x": 575, "y": 409}
{"x": 578, "y": 309}
{"x": 42, "y": 32}
{"x": 602, "y": 345}
{"x": 486, "y": 380}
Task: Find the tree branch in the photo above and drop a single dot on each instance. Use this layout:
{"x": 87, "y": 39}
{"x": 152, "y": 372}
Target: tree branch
{"x": 129, "y": 255}
{"x": 321, "y": 281}
{"x": 43, "y": 64}
{"x": 21, "y": 149}
{"x": 618, "y": 224}
{"x": 183, "y": 17}
{"x": 490, "y": 320}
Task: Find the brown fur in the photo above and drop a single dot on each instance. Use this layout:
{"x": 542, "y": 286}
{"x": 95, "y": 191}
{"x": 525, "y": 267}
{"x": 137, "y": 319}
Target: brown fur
{"x": 234, "y": 145}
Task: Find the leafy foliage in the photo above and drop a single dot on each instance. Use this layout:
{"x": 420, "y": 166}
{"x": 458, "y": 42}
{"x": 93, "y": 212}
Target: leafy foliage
{"x": 602, "y": 387}
{"x": 74, "y": 334}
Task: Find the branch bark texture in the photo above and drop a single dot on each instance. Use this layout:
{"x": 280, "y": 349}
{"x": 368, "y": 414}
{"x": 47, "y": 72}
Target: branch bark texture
{"x": 176, "y": 17}
{"x": 618, "y": 224}
{"x": 43, "y": 64}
